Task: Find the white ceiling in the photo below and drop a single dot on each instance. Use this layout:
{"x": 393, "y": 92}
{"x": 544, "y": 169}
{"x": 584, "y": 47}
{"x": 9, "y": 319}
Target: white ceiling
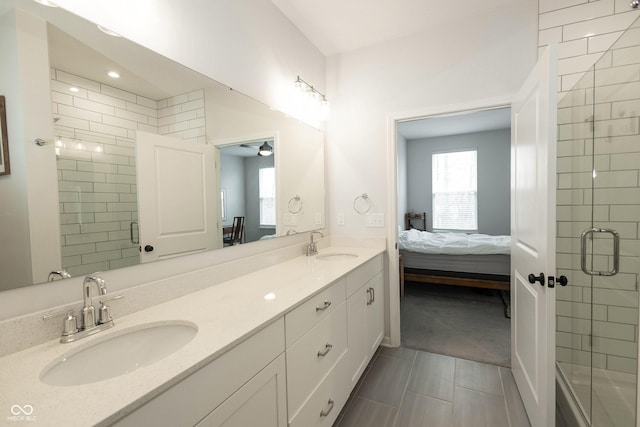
{"x": 336, "y": 26}
{"x": 455, "y": 124}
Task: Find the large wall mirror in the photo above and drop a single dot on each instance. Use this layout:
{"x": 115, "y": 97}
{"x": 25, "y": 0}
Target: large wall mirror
{"x": 156, "y": 161}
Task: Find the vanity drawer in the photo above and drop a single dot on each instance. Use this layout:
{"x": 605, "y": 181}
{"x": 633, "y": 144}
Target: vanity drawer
{"x": 314, "y": 355}
{"x": 363, "y": 274}
{"x": 322, "y": 408}
{"x": 309, "y": 314}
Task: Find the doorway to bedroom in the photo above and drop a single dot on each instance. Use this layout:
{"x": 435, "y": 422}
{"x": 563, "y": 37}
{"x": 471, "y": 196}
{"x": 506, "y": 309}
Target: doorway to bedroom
{"x": 453, "y": 198}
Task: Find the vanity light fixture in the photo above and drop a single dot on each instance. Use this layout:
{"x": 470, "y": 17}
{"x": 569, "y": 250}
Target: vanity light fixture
{"x": 317, "y": 100}
{"x": 113, "y": 74}
{"x": 108, "y": 31}
{"x": 46, "y": 3}
{"x": 265, "y": 150}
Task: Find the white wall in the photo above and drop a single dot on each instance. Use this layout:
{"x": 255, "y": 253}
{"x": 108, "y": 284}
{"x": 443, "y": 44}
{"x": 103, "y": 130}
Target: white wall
{"x": 485, "y": 57}
{"x": 494, "y": 174}
{"x": 247, "y": 45}
{"x": 232, "y": 181}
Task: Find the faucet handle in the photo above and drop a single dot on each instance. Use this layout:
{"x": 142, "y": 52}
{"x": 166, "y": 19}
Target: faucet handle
{"x": 104, "y": 312}
{"x": 69, "y": 324}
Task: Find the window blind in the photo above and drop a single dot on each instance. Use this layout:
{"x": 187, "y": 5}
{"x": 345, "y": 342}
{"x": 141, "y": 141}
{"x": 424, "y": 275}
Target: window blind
{"x": 455, "y": 190}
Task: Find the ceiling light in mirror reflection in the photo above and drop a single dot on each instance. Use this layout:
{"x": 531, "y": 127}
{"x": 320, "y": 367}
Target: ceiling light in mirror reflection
{"x": 113, "y": 74}
{"x": 270, "y": 296}
{"x": 76, "y": 149}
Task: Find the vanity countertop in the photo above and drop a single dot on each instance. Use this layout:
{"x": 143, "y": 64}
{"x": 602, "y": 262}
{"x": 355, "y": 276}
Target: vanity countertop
{"x": 225, "y": 315}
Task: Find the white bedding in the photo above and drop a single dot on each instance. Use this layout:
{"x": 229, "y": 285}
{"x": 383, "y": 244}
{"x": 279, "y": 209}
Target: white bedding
{"x": 453, "y": 243}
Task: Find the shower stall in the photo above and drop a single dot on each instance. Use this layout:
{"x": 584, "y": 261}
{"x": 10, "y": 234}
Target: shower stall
{"x": 598, "y": 239}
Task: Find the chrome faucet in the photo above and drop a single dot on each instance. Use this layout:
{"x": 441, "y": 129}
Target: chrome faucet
{"x": 89, "y": 325}
{"x": 58, "y": 275}
{"x": 312, "y": 247}
{"x": 88, "y": 310}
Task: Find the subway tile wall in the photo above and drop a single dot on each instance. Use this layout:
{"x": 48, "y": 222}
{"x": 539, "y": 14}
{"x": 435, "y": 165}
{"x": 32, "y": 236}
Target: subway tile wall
{"x": 599, "y": 129}
{"x": 96, "y": 127}
{"x": 583, "y": 30}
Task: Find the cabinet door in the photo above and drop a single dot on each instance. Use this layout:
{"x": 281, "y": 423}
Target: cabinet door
{"x": 260, "y": 402}
{"x": 358, "y": 348}
{"x": 374, "y": 314}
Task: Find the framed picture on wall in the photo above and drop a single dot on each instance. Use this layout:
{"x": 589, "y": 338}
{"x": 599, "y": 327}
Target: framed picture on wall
{"x": 4, "y": 143}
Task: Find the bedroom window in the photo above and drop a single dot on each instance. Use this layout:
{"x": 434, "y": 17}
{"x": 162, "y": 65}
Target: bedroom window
{"x": 455, "y": 190}
{"x": 267, "y": 189}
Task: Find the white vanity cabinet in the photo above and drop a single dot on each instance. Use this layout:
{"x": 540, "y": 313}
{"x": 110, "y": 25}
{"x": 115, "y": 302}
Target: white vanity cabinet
{"x": 246, "y": 386}
{"x": 365, "y": 316}
{"x": 316, "y": 347}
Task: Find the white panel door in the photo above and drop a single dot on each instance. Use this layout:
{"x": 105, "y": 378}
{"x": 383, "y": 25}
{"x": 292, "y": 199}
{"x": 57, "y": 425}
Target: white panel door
{"x": 533, "y": 160}
{"x": 177, "y": 197}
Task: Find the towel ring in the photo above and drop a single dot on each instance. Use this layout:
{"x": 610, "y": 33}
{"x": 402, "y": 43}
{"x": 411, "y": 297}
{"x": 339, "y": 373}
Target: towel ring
{"x": 295, "y": 205}
{"x": 362, "y": 204}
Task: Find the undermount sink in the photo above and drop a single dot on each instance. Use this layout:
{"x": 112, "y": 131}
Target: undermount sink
{"x": 119, "y": 354}
{"x": 335, "y": 256}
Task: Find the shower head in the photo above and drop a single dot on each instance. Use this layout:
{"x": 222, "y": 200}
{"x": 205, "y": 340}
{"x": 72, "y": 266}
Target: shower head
{"x": 635, "y": 4}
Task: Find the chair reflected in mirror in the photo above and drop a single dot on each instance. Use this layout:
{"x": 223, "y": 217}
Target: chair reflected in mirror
{"x": 234, "y": 235}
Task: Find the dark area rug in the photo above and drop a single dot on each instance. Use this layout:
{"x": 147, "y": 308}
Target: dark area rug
{"x": 456, "y": 321}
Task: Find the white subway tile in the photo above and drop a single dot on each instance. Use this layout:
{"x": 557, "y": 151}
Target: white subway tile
{"x": 119, "y": 235}
{"x": 72, "y": 122}
{"x": 71, "y": 261}
{"x": 569, "y": 340}
{"x": 131, "y": 115}
{"x": 130, "y": 257}
{"x": 616, "y": 297}
{"x": 80, "y": 239}
{"x": 622, "y": 315}
{"x": 178, "y": 99}
{"x": 62, "y": 98}
{"x": 105, "y": 99}
{"x": 111, "y": 188}
{"x": 120, "y": 207}
{"x": 113, "y": 216}
{"x": 146, "y": 102}
{"x": 77, "y": 81}
{"x": 142, "y": 109}
{"x": 196, "y": 104}
{"x": 629, "y": 108}
{"x": 64, "y": 89}
{"x": 148, "y": 128}
{"x": 78, "y": 249}
{"x": 548, "y": 36}
{"x": 597, "y": 26}
{"x": 87, "y": 268}
{"x": 628, "y": 55}
{"x": 549, "y": 5}
{"x": 613, "y": 145}
{"x": 619, "y": 74}
{"x": 603, "y": 42}
{"x": 629, "y": 38}
{"x": 94, "y": 106}
{"x": 578, "y": 13}
{"x": 108, "y": 129}
{"x": 118, "y": 93}
{"x": 121, "y": 179}
{"x": 100, "y": 256}
{"x": 616, "y": 179}
{"x": 114, "y": 245}
{"x": 622, "y": 364}
{"x": 615, "y": 347}
{"x": 577, "y": 64}
{"x": 625, "y": 213}
{"x": 100, "y": 226}
{"x": 617, "y": 196}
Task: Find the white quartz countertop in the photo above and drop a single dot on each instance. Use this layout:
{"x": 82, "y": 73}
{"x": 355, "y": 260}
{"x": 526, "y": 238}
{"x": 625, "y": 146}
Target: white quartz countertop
{"x": 225, "y": 315}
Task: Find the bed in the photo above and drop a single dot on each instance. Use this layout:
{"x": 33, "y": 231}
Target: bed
{"x": 474, "y": 260}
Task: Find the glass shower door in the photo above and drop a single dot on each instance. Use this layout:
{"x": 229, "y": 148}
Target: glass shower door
{"x": 598, "y": 236}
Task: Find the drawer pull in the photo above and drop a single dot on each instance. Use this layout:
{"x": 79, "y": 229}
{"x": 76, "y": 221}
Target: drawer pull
{"x": 324, "y": 306}
{"x": 370, "y": 296}
{"x": 326, "y": 412}
{"x": 327, "y": 349}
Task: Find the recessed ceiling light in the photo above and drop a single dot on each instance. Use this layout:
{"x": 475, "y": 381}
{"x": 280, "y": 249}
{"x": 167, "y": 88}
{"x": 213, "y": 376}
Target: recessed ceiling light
{"x": 113, "y": 74}
{"x": 74, "y": 89}
{"x": 108, "y": 31}
{"x": 46, "y": 3}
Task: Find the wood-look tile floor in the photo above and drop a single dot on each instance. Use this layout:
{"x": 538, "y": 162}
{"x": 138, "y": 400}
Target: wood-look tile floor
{"x": 403, "y": 387}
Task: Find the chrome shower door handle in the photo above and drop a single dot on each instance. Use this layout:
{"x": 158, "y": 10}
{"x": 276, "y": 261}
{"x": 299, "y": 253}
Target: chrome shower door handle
{"x": 616, "y": 251}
